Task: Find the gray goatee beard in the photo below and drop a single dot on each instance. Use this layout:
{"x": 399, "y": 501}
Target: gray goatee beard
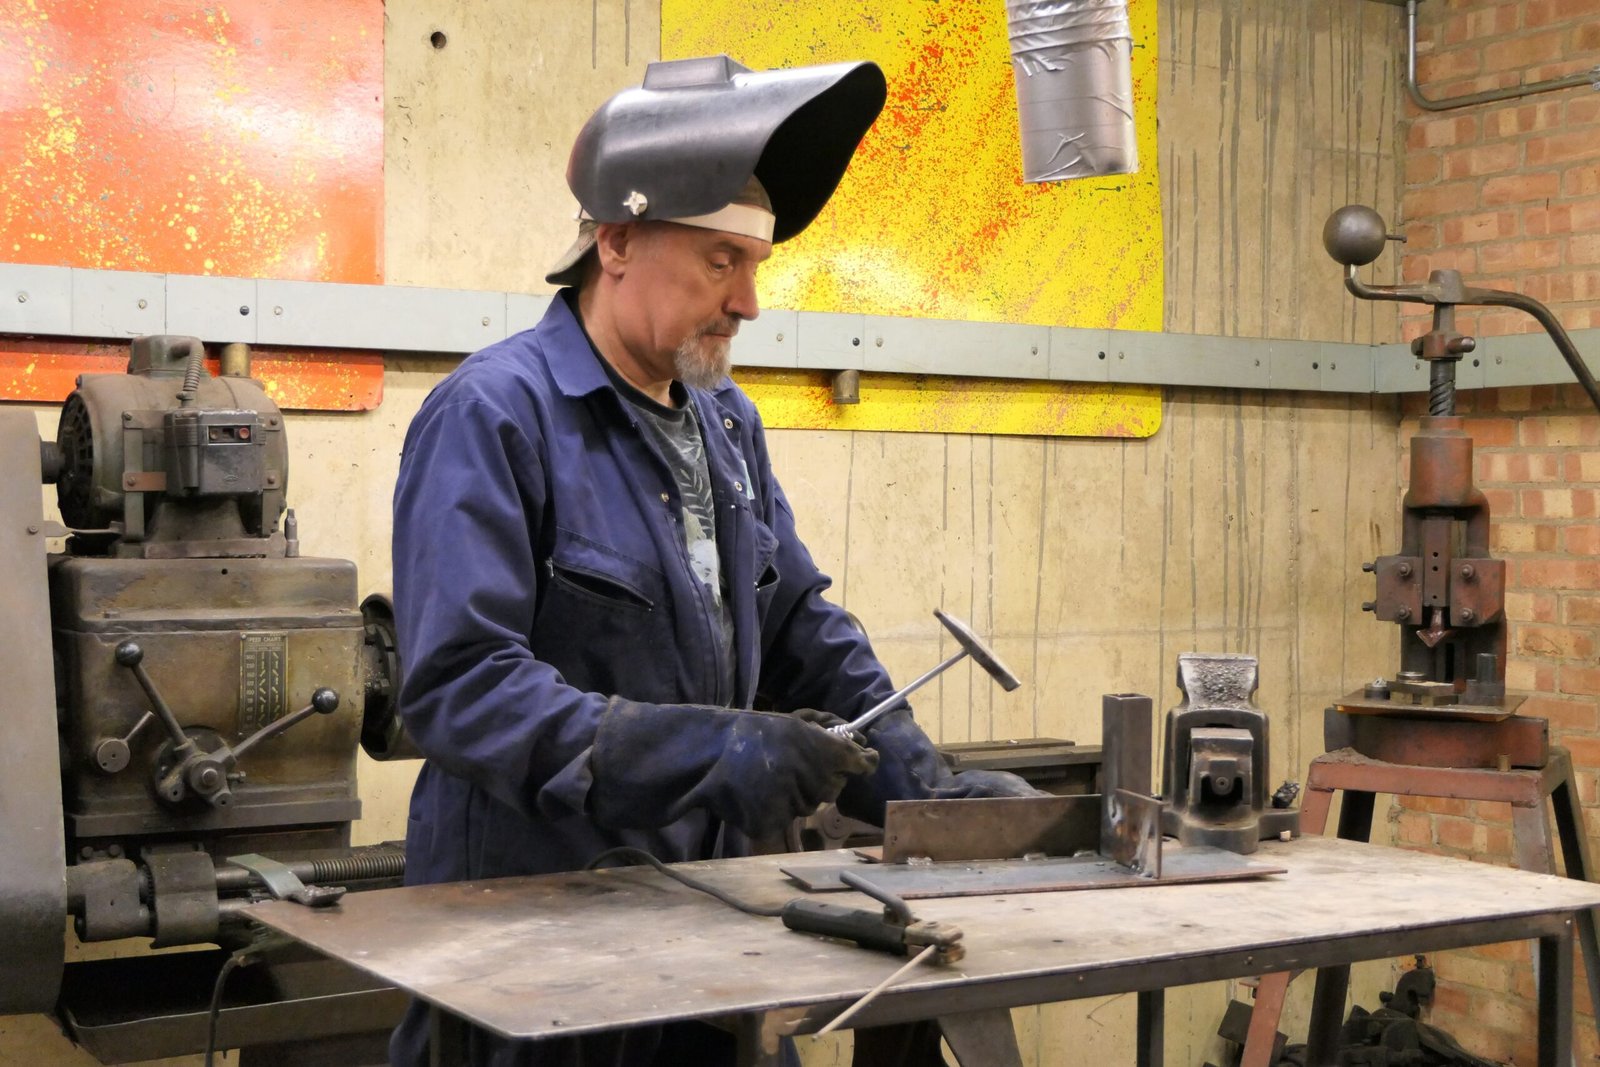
{"x": 702, "y": 361}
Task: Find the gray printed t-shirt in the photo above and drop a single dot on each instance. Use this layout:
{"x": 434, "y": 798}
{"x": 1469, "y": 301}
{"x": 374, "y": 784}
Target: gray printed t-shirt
{"x": 675, "y": 432}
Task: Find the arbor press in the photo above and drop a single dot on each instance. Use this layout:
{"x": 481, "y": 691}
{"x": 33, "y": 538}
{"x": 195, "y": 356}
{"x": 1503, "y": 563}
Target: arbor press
{"x": 1444, "y": 725}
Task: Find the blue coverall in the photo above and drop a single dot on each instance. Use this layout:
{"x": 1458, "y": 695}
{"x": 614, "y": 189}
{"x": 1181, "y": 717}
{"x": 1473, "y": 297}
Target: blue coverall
{"x": 539, "y": 572}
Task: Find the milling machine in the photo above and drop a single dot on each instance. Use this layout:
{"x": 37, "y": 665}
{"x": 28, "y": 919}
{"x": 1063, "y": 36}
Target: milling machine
{"x": 187, "y": 693}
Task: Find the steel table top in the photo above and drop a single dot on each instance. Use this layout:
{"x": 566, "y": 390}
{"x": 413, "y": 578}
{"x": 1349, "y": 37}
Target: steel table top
{"x": 573, "y": 953}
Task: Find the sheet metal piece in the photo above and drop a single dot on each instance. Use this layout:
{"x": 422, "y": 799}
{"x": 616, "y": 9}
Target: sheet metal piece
{"x": 575, "y": 953}
{"x": 1000, "y": 877}
{"x": 990, "y": 828}
{"x": 1130, "y": 819}
{"x": 1358, "y": 703}
{"x": 33, "y": 885}
{"x": 1130, "y": 832}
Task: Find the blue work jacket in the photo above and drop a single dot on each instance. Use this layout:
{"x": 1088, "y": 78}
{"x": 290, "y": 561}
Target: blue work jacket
{"x": 540, "y": 568}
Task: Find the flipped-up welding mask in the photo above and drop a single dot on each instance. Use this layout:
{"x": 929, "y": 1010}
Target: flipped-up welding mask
{"x": 684, "y": 146}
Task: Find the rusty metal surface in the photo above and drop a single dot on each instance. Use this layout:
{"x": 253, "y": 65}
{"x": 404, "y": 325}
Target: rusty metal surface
{"x": 1357, "y": 703}
{"x": 202, "y": 625}
{"x": 990, "y": 827}
{"x": 578, "y": 953}
{"x": 1521, "y": 740}
{"x": 1399, "y": 588}
{"x": 1179, "y": 866}
{"x": 1477, "y": 591}
{"x": 33, "y": 889}
{"x": 1346, "y": 769}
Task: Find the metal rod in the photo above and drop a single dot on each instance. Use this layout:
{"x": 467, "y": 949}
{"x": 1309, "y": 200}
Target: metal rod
{"x": 1552, "y": 326}
{"x": 163, "y": 712}
{"x": 893, "y": 700}
{"x": 1431, "y": 294}
{"x": 1488, "y": 96}
{"x": 872, "y": 994}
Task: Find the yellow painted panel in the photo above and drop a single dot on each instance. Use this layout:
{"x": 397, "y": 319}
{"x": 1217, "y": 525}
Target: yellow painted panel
{"x": 933, "y": 219}
{"x": 804, "y": 400}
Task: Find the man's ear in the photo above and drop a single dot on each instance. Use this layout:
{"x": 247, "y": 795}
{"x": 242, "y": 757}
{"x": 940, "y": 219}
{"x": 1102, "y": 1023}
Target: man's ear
{"x": 616, "y": 246}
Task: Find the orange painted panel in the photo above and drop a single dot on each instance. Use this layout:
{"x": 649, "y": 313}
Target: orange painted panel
{"x": 295, "y": 378}
{"x": 232, "y": 137}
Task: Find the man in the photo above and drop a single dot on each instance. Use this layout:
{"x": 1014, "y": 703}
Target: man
{"x": 596, "y": 574}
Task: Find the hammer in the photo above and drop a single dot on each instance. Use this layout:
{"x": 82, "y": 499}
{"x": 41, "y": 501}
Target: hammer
{"x": 971, "y": 645}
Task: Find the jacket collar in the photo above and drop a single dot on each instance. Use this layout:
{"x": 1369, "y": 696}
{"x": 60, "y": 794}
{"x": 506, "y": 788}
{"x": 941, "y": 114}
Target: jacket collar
{"x": 576, "y": 366}
{"x": 572, "y": 359}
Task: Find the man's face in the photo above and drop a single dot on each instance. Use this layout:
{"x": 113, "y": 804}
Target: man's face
{"x": 688, "y": 290}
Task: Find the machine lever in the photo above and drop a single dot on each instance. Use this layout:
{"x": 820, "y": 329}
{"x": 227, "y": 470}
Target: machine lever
{"x": 971, "y": 645}
{"x": 113, "y": 753}
{"x": 324, "y": 701}
{"x": 131, "y": 656}
{"x": 191, "y": 769}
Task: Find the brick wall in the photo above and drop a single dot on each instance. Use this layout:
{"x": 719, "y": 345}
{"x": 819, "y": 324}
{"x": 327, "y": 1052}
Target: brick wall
{"x": 1509, "y": 194}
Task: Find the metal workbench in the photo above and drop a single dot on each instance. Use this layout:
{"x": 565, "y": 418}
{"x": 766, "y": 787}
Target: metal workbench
{"x": 575, "y": 953}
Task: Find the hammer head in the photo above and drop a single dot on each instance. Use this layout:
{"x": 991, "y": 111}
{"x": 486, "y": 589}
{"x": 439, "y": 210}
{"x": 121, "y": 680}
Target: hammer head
{"x": 981, "y": 653}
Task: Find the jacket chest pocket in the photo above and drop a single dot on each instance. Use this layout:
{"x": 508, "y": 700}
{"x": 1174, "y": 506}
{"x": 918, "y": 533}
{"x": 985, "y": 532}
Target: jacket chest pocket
{"x": 766, "y": 568}
{"x": 597, "y": 576}
{"x": 605, "y": 620}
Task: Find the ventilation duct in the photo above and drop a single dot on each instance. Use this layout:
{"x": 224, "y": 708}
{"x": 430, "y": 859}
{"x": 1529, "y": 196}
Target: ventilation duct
{"x": 1072, "y": 60}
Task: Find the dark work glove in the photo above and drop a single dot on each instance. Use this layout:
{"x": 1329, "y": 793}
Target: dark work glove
{"x": 827, "y": 720}
{"x": 912, "y": 769}
{"x": 984, "y": 784}
{"x": 654, "y": 763}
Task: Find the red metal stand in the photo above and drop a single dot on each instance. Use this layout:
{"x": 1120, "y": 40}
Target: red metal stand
{"x": 1533, "y": 849}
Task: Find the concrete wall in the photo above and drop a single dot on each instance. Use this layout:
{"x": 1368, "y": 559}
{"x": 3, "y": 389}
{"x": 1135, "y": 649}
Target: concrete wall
{"x": 1091, "y": 563}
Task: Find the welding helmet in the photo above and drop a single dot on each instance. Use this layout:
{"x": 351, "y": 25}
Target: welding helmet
{"x": 686, "y": 145}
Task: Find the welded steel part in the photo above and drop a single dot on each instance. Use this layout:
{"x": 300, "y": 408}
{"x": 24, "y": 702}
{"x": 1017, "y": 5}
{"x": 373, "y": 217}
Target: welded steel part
{"x": 1215, "y": 758}
{"x": 990, "y": 828}
{"x": 685, "y": 142}
{"x": 1130, "y": 818}
{"x": 33, "y": 892}
{"x": 1196, "y": 863}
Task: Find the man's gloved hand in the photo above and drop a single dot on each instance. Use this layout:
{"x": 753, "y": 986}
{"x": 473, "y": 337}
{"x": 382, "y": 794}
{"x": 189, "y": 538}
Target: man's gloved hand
{"x": 828, "y": 720}
{"x": 653, "y": 763}
{"x": 984, "y": 784}
{"x": 912, "y": 769}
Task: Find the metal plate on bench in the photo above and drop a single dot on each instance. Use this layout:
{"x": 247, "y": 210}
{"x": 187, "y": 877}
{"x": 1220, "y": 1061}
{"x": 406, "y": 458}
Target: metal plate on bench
{"x": 998, "y": 877}
{"x": 1358, "y": 703}
{"x": 990, "y": 828}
